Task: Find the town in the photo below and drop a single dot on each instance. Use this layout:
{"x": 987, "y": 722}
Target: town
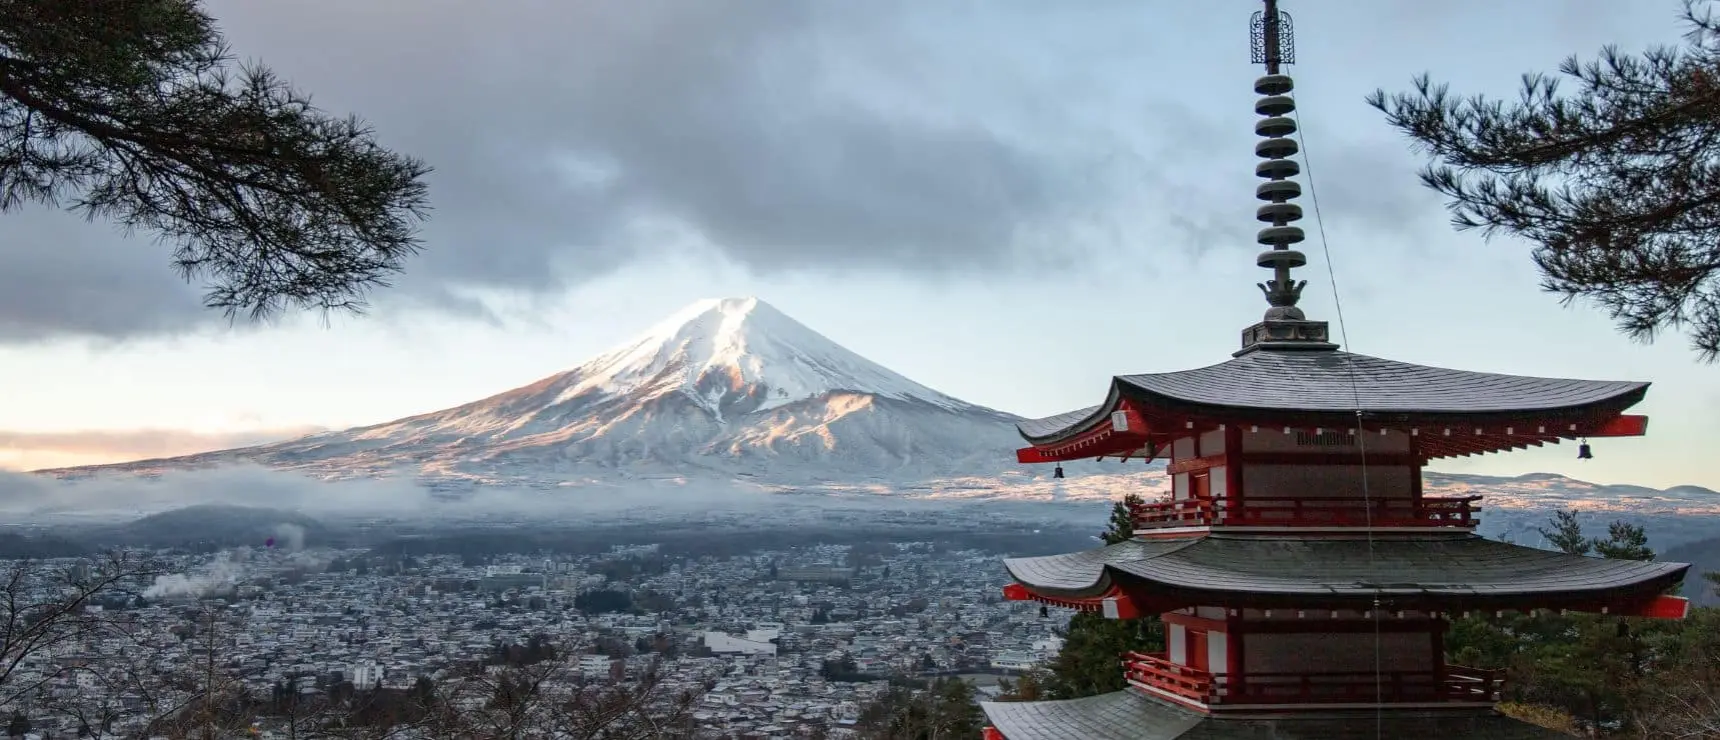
{"x": 770, "y": 644}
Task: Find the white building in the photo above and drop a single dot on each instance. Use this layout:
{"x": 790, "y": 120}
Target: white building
{"x": 1014, "y": 661}
{"x": 595, "y": 666}
{"x": 722, "y": 642}
{"x": 366, "y": 674}
{"x": 1049, "y": 647}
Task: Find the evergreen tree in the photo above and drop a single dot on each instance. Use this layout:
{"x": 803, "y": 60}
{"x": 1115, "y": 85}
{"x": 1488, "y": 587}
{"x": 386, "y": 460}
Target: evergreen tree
{"x": 1566, "y": 534}
{"x": 1120, "y": 526}
{"x": 1029, "y": 686}
{"x": 1613, "y": 184}
{"x": 133, "y": 111}
{"x": 1091, "y": 661}
{"x": 1595, "y": 670}
{"x": 1624, "y": 541}
{"x": 943, "y": 711}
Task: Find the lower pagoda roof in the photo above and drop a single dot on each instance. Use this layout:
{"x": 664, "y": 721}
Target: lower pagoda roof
{"x": 1436, "y": 572}
{"x": 1127, "y": 715}
{"x": 1263, "y": 386}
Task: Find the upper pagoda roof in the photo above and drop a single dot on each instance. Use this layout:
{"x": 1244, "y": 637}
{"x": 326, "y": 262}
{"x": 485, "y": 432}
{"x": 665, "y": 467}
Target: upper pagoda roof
{"x": 1268, "y": 384}
{"x": 1435, "y": 572}
{"x": 1127, "y": 715}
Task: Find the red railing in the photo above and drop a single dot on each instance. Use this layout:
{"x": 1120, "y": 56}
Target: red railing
{"x": 1453, "y": 684}
{"x": 1309, "y": 512}
{"x": 1157, "y": 672}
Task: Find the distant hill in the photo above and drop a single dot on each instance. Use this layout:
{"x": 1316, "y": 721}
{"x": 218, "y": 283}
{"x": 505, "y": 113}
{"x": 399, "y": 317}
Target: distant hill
{"x": 1514, "y": 507}
{"x": 220, "y": 525}
{"x": 14, "y": 546}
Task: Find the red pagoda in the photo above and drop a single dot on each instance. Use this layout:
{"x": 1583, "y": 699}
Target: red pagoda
{"x": 1304, "y": 581}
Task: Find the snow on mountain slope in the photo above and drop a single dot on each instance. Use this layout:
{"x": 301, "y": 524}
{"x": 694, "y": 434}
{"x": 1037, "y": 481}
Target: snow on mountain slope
{"x": 729, "y": 388}
{"x": 718, "y": 351}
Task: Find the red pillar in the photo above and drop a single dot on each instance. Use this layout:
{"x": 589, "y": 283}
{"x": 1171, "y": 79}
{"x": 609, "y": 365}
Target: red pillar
{"x": 1233, "y": 464}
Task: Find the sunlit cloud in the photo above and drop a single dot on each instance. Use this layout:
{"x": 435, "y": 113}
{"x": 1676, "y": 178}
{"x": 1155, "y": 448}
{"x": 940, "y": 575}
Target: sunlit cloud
{"x": 38, "y": 450}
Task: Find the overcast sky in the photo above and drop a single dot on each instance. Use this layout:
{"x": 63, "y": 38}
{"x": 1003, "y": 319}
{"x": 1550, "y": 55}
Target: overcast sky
{"x": 1008, "y": 200}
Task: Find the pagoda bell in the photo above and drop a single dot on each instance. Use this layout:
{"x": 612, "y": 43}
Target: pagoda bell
{"x": 1057, "y": 472}
{"x": 1583, "y": 451}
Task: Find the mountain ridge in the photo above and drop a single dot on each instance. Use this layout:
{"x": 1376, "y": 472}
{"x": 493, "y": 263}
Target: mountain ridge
{"x": 727, "y": 387}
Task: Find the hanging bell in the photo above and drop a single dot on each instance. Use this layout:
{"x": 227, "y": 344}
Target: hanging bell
{"x": 1057, "y": 472}
{"x": 1044, "y": 611}
{"x": 1583, "y": 451}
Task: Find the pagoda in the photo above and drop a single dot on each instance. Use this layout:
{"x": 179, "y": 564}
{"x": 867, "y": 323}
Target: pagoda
{"x": 1304, "y": 582}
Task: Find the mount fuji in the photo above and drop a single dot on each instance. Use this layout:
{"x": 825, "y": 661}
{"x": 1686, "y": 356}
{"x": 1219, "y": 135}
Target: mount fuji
{"x": 724, "y": 389}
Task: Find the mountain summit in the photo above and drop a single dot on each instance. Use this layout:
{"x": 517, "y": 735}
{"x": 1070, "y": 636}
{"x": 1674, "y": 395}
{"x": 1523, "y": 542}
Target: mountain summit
{"x": 740, "y": 356}
{"x": 723, "y": 389}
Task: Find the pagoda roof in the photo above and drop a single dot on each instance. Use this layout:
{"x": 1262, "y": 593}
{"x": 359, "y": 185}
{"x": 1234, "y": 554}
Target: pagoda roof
{"x": 1269, "y": 384}
{"x": 1439, "y": 572}
{"x": 1128, "y": 715}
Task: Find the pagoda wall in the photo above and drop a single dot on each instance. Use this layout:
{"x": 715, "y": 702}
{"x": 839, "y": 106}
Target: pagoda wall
{"x": 1209, "y": 443}
{"x": 1326, "y": 442}
{"x": 1387, "y": 477}
{"x": 1337, "y": 652}
{"x": 1217, "y": 648}
{"x": 1326, "y": 474}
{"x": 1329, "y": 481}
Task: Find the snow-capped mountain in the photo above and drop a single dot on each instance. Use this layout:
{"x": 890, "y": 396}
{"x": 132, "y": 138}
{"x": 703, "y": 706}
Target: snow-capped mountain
{"x": 728, "y": 388}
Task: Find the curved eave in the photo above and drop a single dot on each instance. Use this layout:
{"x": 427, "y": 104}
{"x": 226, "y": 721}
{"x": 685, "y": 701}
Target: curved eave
{"x": 1053, "y": 429}
{"x": 1087, "y": 574}
{"x": 1436, "y": 573}
{"x": 1266, "y": 386}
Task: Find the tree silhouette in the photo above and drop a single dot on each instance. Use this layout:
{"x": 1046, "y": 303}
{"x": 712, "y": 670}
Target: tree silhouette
{"x": 1616, "y": 185}
{"x": 133, "y": 111}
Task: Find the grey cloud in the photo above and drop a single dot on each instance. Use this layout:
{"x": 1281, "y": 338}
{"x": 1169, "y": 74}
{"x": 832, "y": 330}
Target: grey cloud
{"x": 572, "y": 137}
{"x": 568, "y": 136}
{"x": 60, "y": 275}
{"x": 1373, "y": 187}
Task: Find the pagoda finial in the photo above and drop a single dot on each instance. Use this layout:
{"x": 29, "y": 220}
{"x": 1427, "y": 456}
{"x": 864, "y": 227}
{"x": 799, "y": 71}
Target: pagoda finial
{"x": 1284, "y": 326}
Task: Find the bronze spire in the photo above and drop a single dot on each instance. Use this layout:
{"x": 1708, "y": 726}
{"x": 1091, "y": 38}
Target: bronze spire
{"x": 1284, "y": 325}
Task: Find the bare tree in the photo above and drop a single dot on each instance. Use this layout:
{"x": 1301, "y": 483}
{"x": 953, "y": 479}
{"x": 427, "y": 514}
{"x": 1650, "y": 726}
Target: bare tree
{"x": 552, "y": 699}
{"x": 1617, "y": 185}
{"x": 50, "y": 623}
